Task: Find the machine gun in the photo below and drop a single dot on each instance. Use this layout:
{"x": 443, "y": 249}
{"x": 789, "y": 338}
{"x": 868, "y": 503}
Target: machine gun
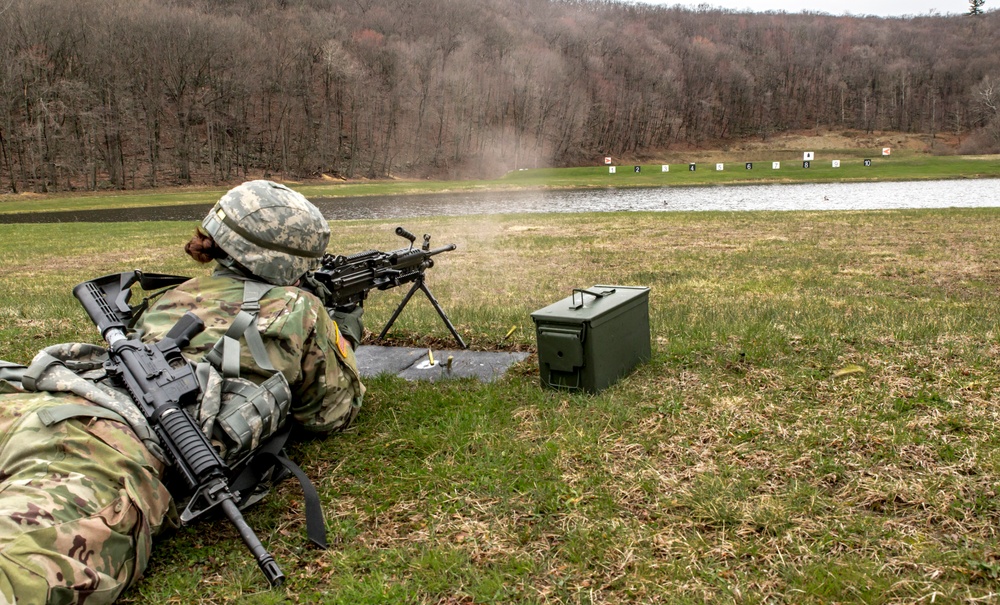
{"x": 343, "y": 282}
{"x": 161, "y": 382}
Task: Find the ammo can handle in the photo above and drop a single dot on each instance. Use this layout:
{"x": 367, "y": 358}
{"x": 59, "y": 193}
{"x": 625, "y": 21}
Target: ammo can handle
{"x": 573, "y": 303}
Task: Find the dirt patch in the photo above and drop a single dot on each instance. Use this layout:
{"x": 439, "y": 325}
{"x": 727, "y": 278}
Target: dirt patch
{"x": 818, "y": 140}
{"x": 851, "y": 139}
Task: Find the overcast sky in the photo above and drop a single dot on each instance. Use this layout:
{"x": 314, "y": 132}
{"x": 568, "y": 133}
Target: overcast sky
{"x": 881, "y": 8}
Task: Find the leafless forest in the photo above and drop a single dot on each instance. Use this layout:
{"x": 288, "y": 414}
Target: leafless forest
{"x": 128, "y": 94}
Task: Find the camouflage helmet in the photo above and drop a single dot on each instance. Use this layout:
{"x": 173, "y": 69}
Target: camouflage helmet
{"x": 274, "y": 232}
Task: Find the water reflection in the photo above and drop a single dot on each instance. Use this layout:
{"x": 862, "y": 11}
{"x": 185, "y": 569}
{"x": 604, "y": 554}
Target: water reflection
{"x": 806, "y": 196}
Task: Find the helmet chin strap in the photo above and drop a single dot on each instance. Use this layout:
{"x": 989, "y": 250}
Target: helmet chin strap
{"x": 230, "y": 263}
{"x": 233, "y": 265}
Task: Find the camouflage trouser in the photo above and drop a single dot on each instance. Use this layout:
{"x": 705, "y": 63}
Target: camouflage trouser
{"x": 80, "y": 500}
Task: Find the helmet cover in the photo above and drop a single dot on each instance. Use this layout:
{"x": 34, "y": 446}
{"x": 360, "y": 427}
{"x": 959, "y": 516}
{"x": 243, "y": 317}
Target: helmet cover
{"x": 271, "y": 230}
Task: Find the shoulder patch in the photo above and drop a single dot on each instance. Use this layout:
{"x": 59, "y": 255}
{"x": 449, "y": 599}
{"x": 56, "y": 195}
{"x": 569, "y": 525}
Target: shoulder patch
{"x": 342, "y": 344}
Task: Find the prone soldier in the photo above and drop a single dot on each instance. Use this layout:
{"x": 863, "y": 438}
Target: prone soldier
{"x": 85, "y": 480}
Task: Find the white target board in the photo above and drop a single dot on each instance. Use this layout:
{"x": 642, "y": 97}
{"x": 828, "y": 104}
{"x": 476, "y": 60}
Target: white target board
{"x": 607, "y": 159}
{"x": 665, "y": 168}
{"x": 808, "y": 156}
{"x": 612, "y": 169}
{"x": 775, "y": 165}
{"x": 836, "y": 163}
{"x": 886, "y": 150}
{"x": 719, "y": 166}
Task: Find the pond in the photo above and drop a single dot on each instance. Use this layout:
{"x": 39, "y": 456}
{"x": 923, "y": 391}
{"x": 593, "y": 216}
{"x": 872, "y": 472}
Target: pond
{"x": 968, "y": 193}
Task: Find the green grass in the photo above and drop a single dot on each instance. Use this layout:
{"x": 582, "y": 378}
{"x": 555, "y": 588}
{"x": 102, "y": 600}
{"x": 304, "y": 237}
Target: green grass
{"x": 902, "y": 166}
{"x": 735, "y": 466}
{"x": 852, "y": 168}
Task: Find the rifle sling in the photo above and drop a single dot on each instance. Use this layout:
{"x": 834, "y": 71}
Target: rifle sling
{"x": 270, "y": 456}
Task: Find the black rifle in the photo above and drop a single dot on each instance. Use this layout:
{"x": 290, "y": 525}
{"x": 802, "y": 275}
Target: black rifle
{"x": 161, "y": 382}
{"x": 343, "y": 282}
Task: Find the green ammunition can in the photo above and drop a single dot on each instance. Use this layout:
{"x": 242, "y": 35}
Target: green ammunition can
{"x": 593, "y": 338}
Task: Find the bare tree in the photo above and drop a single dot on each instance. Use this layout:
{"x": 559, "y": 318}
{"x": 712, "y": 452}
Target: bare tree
{"x": 987, "y": 101}
{"x": 136, "y": 93}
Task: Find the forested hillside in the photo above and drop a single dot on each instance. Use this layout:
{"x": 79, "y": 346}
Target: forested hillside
{"x": 145, "y": 93}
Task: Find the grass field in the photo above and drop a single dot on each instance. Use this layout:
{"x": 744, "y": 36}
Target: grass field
{"x": 901, "y": 166}
{"x": 818, "y": 423}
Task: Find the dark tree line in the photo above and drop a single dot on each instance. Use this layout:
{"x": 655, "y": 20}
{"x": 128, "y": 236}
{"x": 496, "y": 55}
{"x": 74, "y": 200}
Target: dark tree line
{"x": 142, "y": 93}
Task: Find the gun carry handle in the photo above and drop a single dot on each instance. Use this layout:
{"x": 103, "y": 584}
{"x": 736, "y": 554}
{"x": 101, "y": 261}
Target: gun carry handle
{"x": 574, "y": 305}
{"x": 404, "y": 233}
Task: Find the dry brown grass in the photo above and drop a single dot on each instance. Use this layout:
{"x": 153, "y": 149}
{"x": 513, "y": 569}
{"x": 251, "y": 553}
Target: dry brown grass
{"x": 818, "y": 423}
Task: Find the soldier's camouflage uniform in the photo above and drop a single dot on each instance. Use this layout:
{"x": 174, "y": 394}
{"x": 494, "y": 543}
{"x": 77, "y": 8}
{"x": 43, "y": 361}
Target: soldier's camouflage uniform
{"x": 303, "y": 343}
{"x": 81, "y": 497}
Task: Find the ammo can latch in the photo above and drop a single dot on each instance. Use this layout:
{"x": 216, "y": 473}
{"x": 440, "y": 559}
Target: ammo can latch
{"x": 565, "y": 343}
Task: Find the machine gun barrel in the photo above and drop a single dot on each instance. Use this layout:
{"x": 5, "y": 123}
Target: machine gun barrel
{"x": 161, "y": 382}
{"x": 404, "y": 258}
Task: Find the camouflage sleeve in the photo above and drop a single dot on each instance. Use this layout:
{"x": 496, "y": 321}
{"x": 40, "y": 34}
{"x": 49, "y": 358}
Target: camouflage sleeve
{"x": 328, "y": 395}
